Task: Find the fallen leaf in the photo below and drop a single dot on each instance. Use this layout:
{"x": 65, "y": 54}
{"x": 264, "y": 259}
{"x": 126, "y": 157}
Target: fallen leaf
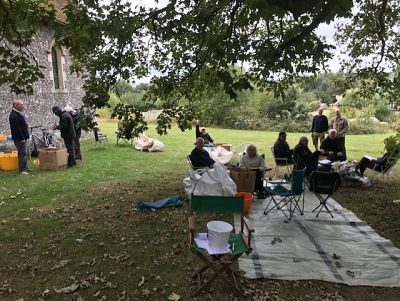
{"x": 174, "y": 297}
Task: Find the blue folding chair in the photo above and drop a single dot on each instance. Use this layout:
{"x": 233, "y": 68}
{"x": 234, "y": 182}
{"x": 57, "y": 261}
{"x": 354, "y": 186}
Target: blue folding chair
{"x": 291, "y": 197}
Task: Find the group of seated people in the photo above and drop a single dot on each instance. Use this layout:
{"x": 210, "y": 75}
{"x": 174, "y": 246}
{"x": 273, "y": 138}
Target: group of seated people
{"x": 301, "y": 156}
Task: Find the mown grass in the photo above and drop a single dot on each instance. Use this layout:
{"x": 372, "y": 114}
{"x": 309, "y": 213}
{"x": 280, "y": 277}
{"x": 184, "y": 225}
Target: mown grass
{"x": 81, "y": 225}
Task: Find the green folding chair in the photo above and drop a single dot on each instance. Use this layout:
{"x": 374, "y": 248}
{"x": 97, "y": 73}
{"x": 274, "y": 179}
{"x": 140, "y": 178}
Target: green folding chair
{"x": 220, "y": 265}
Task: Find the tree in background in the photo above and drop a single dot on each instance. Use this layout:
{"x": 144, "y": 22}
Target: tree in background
{"x": 193, "y": 46}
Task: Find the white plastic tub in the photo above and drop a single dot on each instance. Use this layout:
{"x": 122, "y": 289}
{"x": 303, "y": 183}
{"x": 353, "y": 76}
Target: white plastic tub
{"x": 218, "y": 234}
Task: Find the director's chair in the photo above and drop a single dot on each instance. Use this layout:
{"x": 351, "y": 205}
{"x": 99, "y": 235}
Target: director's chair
{"x": 220, "y": 265}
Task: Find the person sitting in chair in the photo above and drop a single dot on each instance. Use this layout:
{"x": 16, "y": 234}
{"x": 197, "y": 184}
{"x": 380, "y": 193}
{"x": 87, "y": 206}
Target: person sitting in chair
{"x": 379, "y": 164}
{"x": 199, "y": 157}
{"x": 304, "y": 158}
{"x": 332, "y": 147}
{"x": 252, "y": 160}
{"x": 282, "y": 150}
{"x": 201, "y": 132}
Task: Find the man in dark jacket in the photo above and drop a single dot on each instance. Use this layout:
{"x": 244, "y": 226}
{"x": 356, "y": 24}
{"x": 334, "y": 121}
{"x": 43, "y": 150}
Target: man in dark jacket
{"x": 201, "y": 132}
{"x": 332, "y": 147}
{"x": 200, "y": 157}
{"x": 78, "y": 130}
{"x": 304, "y": 158}
{"x": 282, "y": 150}
{"x": 67, "y": 129}
{"x": 319, "y": 126}
{"x": 20, "y": 134}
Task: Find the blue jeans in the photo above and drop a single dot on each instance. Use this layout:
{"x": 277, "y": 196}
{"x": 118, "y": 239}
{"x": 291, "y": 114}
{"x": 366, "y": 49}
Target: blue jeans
{"x": 22, "y": 155}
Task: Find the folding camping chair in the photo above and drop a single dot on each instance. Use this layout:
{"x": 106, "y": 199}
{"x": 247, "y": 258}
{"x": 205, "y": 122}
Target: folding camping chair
{"x": 291, "y": 197}
{"x": 281, "y": 162}
{"x": 99, "y": 138}
{"x": 385, "y": 171}
{"x": 220, "y": 265}
{"x": 323, "y": 183}
{"x": 120, "y": 133}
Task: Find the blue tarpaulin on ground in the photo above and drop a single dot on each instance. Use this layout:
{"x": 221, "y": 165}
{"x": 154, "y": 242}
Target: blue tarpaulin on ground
{"x": 173, "y": 201}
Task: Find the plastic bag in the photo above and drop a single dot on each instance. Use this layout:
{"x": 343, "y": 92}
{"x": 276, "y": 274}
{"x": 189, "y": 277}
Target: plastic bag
{"x": 215, "y": 181}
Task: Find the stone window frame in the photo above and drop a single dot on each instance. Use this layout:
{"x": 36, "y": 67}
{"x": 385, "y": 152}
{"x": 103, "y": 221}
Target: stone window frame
{"x": 60, "y": 52}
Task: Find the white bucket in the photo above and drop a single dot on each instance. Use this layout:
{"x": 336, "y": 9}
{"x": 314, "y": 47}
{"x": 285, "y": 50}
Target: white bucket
{"x": 218, "y": 234}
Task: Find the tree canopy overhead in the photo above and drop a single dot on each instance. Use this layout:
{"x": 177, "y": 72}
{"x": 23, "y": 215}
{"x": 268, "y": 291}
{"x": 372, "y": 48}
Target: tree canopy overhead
{"x": 195, "y": 46}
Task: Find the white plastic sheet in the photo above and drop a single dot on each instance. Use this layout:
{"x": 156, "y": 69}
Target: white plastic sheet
{"x": 215, "y": 181}
{"x": 343, "y": 249}
{"x": 219, "y": 154}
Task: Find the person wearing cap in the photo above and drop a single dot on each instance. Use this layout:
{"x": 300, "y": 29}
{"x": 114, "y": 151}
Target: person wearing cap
{"x": 319, "y": 127}
{"x": 20, "y": 134}
{"x": 341, "y": 125}
{"x": 67, "y": 129}
{"x": 201, "y": 132}
{"x": 282, "y": 151}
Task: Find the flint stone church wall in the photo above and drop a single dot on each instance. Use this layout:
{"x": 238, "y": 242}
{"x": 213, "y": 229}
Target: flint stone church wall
{"x": 38, "y": 106}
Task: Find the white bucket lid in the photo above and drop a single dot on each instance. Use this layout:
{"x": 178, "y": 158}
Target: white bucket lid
{"x": 219, "y": 226}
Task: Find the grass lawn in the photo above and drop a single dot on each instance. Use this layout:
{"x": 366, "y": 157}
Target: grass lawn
{"x": 77, "y": 234}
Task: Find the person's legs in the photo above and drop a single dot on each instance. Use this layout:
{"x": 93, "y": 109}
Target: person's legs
{"x": 321, "y": 137}
{"x": 77, "y": 144}
{"x": 315, "y": 138}
{"x": 364, "y": 164}
{"x": 22, "y": 155}
{"x": 343, "y": 142}
{"x": 69, "y": 144}
{"x": 258, "y": 186}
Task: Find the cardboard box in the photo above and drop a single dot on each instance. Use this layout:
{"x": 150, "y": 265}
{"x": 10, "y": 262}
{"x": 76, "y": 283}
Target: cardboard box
{"x": 53, "y": 158}
{"x": 227, "y": 146}
{"x": 244, "y": 179}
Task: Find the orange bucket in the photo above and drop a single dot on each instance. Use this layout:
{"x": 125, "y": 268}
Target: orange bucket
{"x": 10, "y": 161}
{"x": 248, "y": 199}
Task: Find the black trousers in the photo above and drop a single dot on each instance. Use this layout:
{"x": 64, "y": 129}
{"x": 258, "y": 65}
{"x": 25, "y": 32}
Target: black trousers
{"x": 69, "y": 144}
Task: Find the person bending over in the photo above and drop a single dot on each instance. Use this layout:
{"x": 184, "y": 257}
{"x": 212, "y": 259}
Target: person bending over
{"x": 282, "y": 150}
{"x": 67, "y": 129}
{"x": 304, "y": 158}
{"x": 252, "y": 160}
{"x": 332, "y": 147}
{"x": 199, "y": 157}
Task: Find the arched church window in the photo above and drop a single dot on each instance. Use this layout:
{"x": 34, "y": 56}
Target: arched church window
{"x": 56, "y": 69}
{"x": 57, "y": 66}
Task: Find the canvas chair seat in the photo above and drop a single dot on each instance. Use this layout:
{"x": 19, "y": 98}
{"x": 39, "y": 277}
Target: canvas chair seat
{"x": 220, "y": 265}
{"x": 323, "y": 183}
{"x": 385, "y": 171}
{"x": 288, "y": 196}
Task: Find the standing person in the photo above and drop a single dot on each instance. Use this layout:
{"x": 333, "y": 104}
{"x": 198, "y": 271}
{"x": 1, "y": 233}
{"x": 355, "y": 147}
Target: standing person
{"x": 20, "y": 134}
{"x": 319, "y": 127}
{"x": 78, "y": 130}
{"x": 341, "y": 125}
{"x": 67, "y": 129}
{"x": 201, "y": 132}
